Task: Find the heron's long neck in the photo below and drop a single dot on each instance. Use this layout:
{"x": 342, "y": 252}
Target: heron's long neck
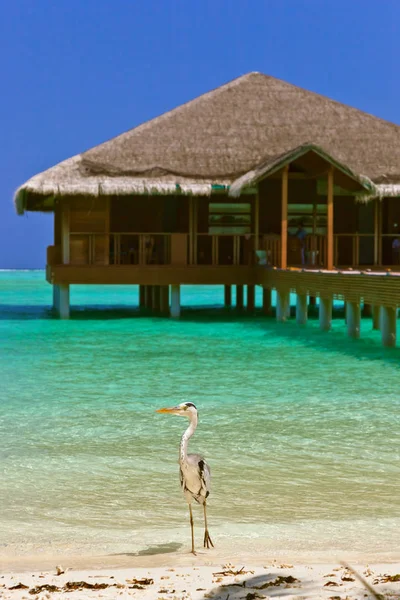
{"x": 186, "y": 437}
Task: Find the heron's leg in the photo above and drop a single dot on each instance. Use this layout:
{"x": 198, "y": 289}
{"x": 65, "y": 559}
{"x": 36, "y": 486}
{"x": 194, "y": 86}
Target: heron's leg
{"x": 191, "y": 528}
{"x": 207, "y": 539}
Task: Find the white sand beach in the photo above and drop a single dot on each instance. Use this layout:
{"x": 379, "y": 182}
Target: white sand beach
{"x": 187, "y": 577}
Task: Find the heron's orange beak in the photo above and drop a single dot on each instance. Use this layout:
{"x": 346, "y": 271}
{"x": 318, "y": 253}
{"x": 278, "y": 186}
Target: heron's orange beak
{"x": 166, "y": 410}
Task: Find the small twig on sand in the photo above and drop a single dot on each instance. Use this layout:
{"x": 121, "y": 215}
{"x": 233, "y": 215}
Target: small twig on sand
{"x": 365, "y": 583}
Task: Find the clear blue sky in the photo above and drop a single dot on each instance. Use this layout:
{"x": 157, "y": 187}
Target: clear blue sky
{"x": 74, "y": 73}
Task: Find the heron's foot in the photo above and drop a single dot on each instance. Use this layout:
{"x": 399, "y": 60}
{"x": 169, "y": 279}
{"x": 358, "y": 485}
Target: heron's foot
{"x": 193, "y": 551}
{"x": 207, "y": 540}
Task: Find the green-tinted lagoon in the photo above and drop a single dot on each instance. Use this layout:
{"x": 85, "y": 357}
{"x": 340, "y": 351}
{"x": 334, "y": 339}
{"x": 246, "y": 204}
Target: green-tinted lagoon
{"x": 301, "y": 428}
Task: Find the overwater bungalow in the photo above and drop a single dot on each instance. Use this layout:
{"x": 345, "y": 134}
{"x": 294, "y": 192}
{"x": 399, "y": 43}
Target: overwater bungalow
{"x": 257, "y": 173}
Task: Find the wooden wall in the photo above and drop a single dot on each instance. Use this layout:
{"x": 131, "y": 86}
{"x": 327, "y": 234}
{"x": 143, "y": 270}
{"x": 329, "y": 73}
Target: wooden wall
{"x": 149, "y": 214}
{"x": 88, "y": 216}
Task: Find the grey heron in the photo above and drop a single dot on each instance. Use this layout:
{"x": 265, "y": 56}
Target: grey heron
{"x": 195, "y": 473}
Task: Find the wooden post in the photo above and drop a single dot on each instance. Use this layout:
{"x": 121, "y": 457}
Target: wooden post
{"x": 164, "y": 299}
{"x": 376, "y": 314}
{"x": 313, "y": 300}
{"x": 149, "y": 296}
{"x": 376, "y": 231}
{"x": 175, "y": 301}
{"x": 155, "y": 302}
{"x": 239, "y": 296}
{"x": 282, "y": 303}
{"x": 388, "y": 325}
{"x": 301, "y": 309}
{"x": 267, "y": 301}
{"x": 256, "y": 220}
{"x": 251, "y": 289}
{"x": 227, "y": 296}
{"x": 56, "y": 298}
{"x": 190, "y": 200}
{"x": 142, "y": 296}
{"x": 353, "y": 319}
{"x": 285, "y": 185}
{"x": 64, "y": 300}
{"x": 329, "y": 261}
{"x": 325, "y": 313}
{"x": 65, "y": 234}
{"x": 380, "y": 231}
{"x": 194, "y": 230}
{"x": 367, "y": 310}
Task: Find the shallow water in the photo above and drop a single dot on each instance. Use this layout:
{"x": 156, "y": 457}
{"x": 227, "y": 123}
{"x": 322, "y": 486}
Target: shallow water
{"x": 301, "y": 428}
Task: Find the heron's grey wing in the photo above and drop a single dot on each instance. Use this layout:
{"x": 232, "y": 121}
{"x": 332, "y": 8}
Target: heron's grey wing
{"x": 181, "y": 478}
{"x": 204, "y": 476}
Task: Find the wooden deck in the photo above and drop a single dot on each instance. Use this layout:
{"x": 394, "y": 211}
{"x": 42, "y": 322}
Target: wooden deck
{"x": 152, "y": 274}
{"x": 371, "y": 287}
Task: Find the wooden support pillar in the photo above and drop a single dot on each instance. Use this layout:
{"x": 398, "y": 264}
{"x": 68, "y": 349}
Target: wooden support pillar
{"x": 251, "y": 291}
{"x": 175, "y": 301}
{"x": 239, "y": 296}
{"x": 312, "y": 300}
{"x": 377, "y": 202}
{"x": 284, "y": 207}
{"x": 64, "y": 300}
{"x": 267, "y": 301}
{"x": 353, "y": 319}
{"x": 227, "y": 296}
{"x": 190, "y": 201}
{"x": 142, "y": 296}
{"x": 155, "y": 302}
{"x": 325, "y": 313}
{"x": 367, "y": 310}
{"x": 329, "y": 253}
{"x": 282, "y": 303}
{"x": 56, "y": 298}
{"x": 376, "y": 314}
{"x": 388, "y": 325}
{"x": 301, "y": 309}
{"x": 164, "y": 299}
{"x": 65, "y": 234}
{"x": 256, "y": 221}
{"x": 149, "y": 296}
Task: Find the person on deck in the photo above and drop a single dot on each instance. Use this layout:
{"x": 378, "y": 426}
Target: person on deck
{"x": 301, "y": 235}
{"x": 396, "y": 251}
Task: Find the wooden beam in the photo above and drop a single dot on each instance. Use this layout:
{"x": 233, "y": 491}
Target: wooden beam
{"x": 329, "y": 258}
{"x": 257, "y": 220}
{"x": 65, "y": 234}
{"x": 191, "y": 236}
{"x": 380, "y": 206}
{"x": 376, "y": 231}
{"x": 285, "y": 181}
{"x": 227, "y": 296}
{"x": 239, "y": 296}
{"x": 251, "y": 289}
{"x": 194, "y": 217}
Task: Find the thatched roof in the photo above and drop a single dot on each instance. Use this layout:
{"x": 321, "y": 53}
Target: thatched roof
{"x": 223, "y": 135}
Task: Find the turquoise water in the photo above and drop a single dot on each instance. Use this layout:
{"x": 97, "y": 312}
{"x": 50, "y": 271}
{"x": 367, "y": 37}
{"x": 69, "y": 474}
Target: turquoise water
{"x": 301, "y": 428}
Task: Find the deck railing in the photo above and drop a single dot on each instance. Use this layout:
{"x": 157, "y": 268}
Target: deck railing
{"x": 130, "y": 248}
{"x": 120, "y": 248}
{"x": 354, "y": 249}
{"x": 140, "y": 249}
{"x": 224, "y": 249}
